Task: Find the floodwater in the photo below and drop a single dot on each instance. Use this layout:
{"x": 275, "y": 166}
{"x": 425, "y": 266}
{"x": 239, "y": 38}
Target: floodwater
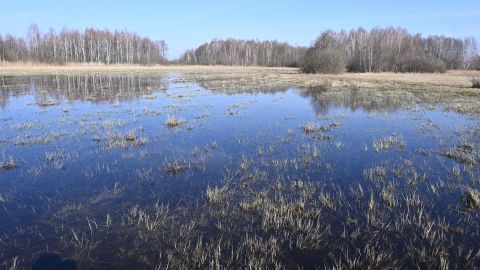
{"x": 91, "y": 162}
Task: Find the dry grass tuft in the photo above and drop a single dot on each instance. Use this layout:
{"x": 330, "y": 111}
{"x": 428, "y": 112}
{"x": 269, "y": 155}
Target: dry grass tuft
{"x": 463, "y": 153}
{"x": 176, "y": 167}
{"x": 46, "y": 103}
{"x": 375, "y": 173}
{"x": 131, "y": 136}
{"x": 389, "y": 196}
{"x": 172, "y": 121}
{"x": 471, "y": 198}
{"x": 309, "y": 127}
{"x": 387, "y": 143}
{"x": 8, "y": 164}
{"x": 216, "y": 195}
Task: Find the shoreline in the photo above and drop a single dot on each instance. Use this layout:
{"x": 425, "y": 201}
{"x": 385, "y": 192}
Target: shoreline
{"x": 452, "y": 80}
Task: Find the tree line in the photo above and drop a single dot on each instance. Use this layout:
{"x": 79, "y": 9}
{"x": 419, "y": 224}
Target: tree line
{"x": 389, "y": 49}
{"x": 358, "y": 50}
{"x": 378, "y": 50}
{"x": 88, "y": 46}
{"x": 239, "y": 52}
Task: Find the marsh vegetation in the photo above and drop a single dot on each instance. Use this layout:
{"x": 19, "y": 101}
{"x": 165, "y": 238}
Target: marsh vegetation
{"x": 228, "y": 169}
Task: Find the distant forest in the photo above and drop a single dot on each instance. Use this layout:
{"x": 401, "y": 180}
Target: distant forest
{"x": 389, "y": 49}
{"x": 89, "y": 46}
{"x": 237, "y": 52}
{"x": 378, "y": 50}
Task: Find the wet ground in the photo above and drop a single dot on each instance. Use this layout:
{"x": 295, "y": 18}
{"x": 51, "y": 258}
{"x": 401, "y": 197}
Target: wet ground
{"x": 158, "y": 172}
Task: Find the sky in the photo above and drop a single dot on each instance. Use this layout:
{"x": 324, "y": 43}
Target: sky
{"x": 187, "y": 24}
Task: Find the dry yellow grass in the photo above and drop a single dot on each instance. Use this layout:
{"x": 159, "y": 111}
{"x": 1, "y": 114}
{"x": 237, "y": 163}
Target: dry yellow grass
{"x": 34, "y": 69}
{"x": 457, "y": 79}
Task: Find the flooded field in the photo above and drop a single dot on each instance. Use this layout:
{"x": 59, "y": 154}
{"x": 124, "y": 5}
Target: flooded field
{"x": 172, "y": 172}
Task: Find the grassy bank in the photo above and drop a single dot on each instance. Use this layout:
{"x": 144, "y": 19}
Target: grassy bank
{"x": 450, "y": 79}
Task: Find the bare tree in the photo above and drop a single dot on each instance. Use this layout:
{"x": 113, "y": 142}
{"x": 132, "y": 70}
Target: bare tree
{"x": 34, "y": 42}
{"x": 237, "y": 52}
{"x": 91, "y": 45}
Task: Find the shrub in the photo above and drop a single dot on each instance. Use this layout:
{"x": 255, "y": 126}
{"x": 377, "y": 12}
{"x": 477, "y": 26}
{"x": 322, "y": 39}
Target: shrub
{"x": 475, "y": 81}
{"x": 329, "y": 60}
{"x": 423, "y": 64}
{"x": 476, "y": 63}
{"x": 353, "y": 65}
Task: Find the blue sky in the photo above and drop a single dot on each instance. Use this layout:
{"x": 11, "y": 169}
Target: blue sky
{"x": 187, "y": 24}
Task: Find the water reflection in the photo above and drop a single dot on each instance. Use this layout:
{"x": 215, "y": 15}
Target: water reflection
{"x": 91, "y": 87}
{"x": 323, "y": 101}
{"x": 324, "y": 98}
{"x": 117, "y": 184}
{"x": 50, "y": 90}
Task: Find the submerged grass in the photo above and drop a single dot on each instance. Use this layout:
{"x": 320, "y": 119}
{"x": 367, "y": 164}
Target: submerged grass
{"x": 472, "y": 198}
{"x": 291, "y": 203}
{"x": 172, "y": 121}
{"x": 47, "y": 103}
{"x": 8, "y": 164}
{"x": 216, "y": 195}
{"x": 312, "y": 127}
{"x": 464, "y": 152}
{"x": 177, "y": 166}
{"x": 387, "y": 143}
{"x": 375, "y": 173}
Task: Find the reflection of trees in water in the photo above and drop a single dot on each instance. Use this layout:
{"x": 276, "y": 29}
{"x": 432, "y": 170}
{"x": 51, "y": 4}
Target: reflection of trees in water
{"x": 93, "y": 87}
{"x": 323, "y": 100}
{"x": 105, "y": 88}
{"x": 4, "y": 95}
{"x": 10, "y": 86}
